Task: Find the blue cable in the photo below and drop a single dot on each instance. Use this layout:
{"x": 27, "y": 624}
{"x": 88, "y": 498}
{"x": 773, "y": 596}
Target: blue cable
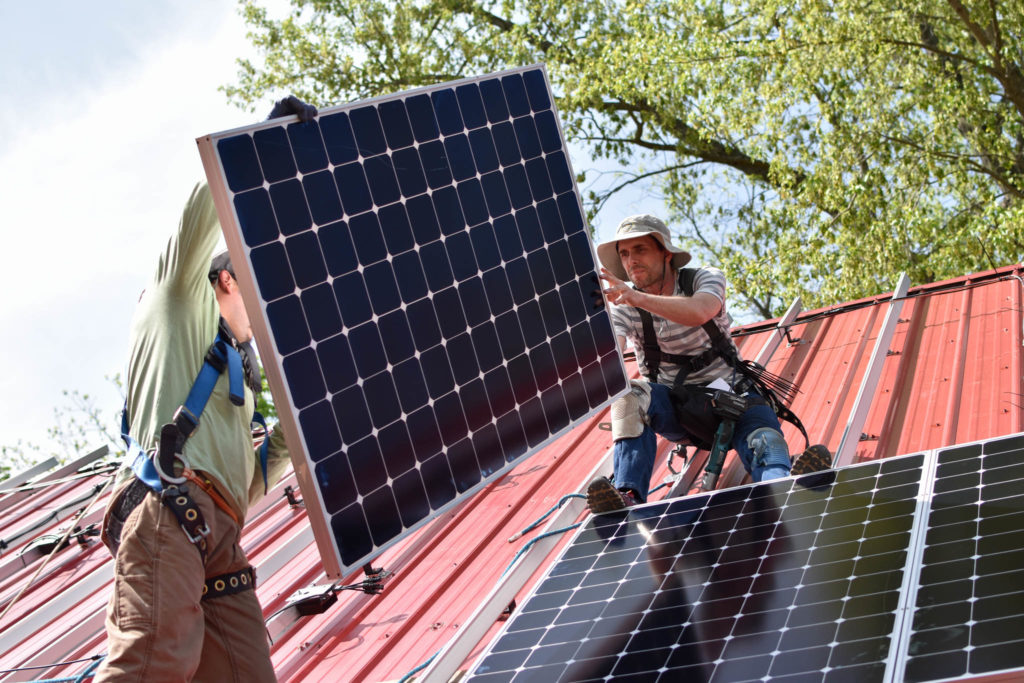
{"x": 537, "y": 523}
{"x": 419, "y": 668}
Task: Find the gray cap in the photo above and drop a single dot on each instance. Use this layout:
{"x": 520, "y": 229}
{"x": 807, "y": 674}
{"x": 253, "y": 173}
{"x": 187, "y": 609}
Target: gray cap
{"x": 219, "y": 262}
{"x": 638, "y": 226}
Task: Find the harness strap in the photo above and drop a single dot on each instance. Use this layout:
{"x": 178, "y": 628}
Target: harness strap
{"x": 229, "y": 584}
{"x": 218, "y": 499}
{"x": 721, "y": 347}
{"x": 156, "y": 470}
{"x": 177, "y": 498}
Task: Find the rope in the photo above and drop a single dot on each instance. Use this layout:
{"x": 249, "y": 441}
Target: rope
{"x": 419, "y": 668}
{"x": 56, "y": 547}
{"x": 515, "y": 537}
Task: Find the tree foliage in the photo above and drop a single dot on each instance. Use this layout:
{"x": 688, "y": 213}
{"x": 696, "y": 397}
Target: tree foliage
{"x": 810, "y": 148}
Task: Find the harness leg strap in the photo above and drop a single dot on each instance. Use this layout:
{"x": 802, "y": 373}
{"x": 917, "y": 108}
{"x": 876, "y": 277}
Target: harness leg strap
{"x": 229, "y": 584}
{"x": 189, "y": 516}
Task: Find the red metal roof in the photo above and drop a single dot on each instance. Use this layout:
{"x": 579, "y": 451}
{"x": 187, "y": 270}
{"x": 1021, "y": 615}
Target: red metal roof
{"x": 952, "y": 373}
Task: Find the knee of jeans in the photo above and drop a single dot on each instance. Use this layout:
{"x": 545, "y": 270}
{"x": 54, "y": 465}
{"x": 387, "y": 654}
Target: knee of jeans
{"x": 769, "y": 448}
{"x": 629, "y": 413}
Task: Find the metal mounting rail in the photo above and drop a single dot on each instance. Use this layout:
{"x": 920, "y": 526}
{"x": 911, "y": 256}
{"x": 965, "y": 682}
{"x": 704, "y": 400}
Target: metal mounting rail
{"x": 869, "y": 385}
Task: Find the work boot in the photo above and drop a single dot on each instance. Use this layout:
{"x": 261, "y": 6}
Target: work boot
{"x": 602, "y": 496}
{"x": 815, "y": 459}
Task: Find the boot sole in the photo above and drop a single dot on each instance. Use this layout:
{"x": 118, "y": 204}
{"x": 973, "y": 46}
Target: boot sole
{"x": 814, "y": 459}
{"x": 603, "y": 497}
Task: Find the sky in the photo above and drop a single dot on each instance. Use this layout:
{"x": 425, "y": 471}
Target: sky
{"x": 97, "y": 156}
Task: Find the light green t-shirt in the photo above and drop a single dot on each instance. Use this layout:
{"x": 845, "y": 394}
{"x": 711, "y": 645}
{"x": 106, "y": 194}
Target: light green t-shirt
{"x": 174, "y": 324}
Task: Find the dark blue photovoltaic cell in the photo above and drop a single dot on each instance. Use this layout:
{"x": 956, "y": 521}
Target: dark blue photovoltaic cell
{"x": 395, "y": 121}
{"x": 273, "y": 282}
{"x": 369, "y": 134}
{"x": 322, "y": 195}
{"x": 380, "y": 175}
{"x": 241, "y": 166}
{"x": 547, "y": 130}
{"x": 518, "y": 187}
{"x": 526, "y": 137}
{"x": 305, "y": 378}
{"x": 515, "y": 95}
{"x": 288, "y": 324}
{"x": 794, "y": 579}
{"x": 256, "y": 217}
{"x": 306, "y": 260}
{"x": 505, "y": 144}
{"x": 485, "y": 247}
{"x": 368, "y": 238}
{"x": 494, "y": 100}
{"x": 355, "y": 193}
{"x": 321, "y": 311}
{"x": 446, "y": 109}
{"x": 460, "y": 157}
{"x": 460, "y": 255}
{"x": 485, "y": 156}
{"x": 421, "y": 116}
{"x": 433, "y": 319}
{"x": 275, "y": 154}
{"x": 398, "y": 344}
{"x": 337, "y": 363}
{"x": 471, "y": 197}
{"x": 307, "y": 146}
{"x": 339, "y": 142}
{"x": 470, "y": 105}
{"x": 337, "y": 249}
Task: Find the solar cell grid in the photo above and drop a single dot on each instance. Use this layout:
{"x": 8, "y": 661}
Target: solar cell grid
{"x": 428, "y": 292}
{"x": 791, "y": 578}
{"x": 969, "y": 609}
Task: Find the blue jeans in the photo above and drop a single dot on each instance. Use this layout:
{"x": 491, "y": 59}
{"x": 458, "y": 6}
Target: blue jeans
{"x": 766, "y": 456}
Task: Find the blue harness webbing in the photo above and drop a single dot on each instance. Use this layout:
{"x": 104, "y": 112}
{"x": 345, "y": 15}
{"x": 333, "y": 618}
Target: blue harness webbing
{"x": 221, "y": 355}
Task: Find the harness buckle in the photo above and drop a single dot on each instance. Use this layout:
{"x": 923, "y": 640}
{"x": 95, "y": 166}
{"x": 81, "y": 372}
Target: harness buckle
{"x": 201, "y": 533}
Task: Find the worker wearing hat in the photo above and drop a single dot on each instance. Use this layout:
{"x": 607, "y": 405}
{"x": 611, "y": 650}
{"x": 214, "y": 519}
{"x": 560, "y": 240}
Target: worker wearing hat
{"x": 641, "y": 269}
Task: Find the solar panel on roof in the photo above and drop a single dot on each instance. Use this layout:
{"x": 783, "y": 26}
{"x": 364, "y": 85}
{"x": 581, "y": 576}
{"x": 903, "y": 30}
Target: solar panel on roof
{"x": 428, "y": 308}
{"x": 776, "y": 580}
{"x": 904, "y": 569}
{"x": 968, "y": 614}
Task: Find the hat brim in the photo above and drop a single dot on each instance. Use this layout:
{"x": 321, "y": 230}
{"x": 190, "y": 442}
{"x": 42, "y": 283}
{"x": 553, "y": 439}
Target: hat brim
{"x": 608, "y": 253}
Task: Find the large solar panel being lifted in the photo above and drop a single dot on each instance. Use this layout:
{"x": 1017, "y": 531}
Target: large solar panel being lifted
{"x": 428, "y": 308}
{"x": 905, "y": 569}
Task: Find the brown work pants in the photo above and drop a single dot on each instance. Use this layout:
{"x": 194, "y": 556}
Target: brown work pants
{"x": 158, "y": 627}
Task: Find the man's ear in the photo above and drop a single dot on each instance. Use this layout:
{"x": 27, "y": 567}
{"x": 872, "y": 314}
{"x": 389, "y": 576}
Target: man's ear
{"x": 224, "y": 281}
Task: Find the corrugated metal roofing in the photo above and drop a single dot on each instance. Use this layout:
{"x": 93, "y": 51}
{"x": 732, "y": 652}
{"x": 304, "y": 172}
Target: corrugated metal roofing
{"x": 952, "y": 373}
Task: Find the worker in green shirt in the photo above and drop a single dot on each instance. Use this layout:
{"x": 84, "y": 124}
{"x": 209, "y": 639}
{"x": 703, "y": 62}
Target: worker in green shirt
{"x": 183, "y": 605}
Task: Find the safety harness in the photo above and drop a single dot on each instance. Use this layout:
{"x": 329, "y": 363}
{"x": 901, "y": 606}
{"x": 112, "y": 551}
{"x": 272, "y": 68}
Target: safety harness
{"x": 155, "y": 470}
{"x": 767, "y": 384}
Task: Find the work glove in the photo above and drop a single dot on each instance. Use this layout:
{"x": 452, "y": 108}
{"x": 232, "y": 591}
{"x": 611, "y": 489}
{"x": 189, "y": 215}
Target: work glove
{"x": 292, "y": 105}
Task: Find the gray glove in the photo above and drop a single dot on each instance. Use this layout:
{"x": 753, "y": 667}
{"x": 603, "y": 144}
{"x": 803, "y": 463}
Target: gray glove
{"x": 290, "y": 106}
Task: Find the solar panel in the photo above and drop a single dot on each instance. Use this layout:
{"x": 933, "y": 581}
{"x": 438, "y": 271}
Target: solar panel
{"x": 904, "y": 569}
{"x": 423, "y": 292}
{"x": 968, "y": 614}
{"x": 777, "y": 580}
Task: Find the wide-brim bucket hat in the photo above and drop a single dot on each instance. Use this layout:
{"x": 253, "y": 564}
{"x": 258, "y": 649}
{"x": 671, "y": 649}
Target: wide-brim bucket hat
{"x": 638, "y": 226}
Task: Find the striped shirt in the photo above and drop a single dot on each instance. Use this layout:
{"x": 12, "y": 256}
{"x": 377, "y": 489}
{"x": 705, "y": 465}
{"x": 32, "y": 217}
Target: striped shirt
{"x": 674, "y": 338}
